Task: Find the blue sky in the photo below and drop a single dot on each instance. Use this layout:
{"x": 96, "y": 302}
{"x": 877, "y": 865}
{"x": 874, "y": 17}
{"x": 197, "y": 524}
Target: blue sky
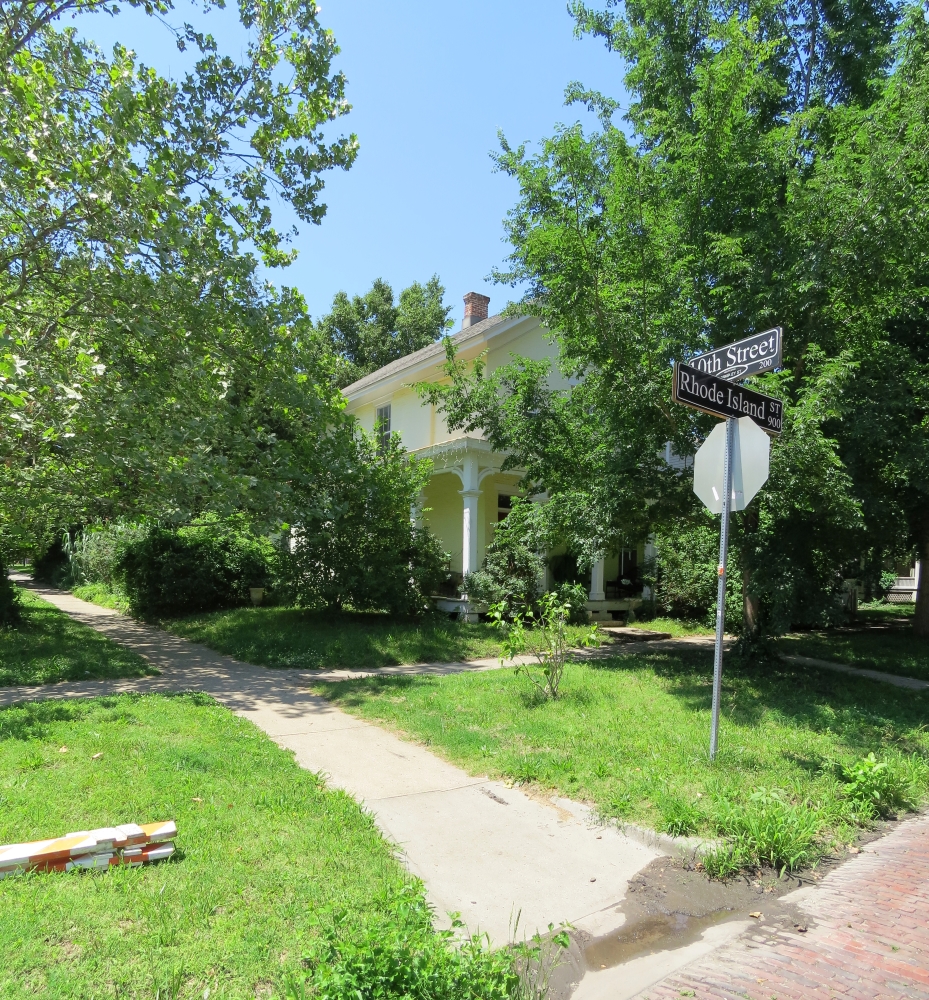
{"x": 430, "y": 83}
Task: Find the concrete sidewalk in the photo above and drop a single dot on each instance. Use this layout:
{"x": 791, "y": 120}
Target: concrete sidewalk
{"x": 484, "y": 850}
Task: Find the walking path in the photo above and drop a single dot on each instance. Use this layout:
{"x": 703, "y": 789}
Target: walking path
{"x": 484, "y": 850}
{"x": 492, "y": 852}
{"x": 898, "y": 680}
{"x": 866, "y": 938}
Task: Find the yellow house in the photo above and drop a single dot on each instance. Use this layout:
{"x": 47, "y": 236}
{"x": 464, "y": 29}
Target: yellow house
{"x": 468, "y": 493}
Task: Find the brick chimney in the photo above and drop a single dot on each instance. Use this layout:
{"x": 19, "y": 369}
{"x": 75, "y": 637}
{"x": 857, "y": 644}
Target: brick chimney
{"x": 475, "y": 309}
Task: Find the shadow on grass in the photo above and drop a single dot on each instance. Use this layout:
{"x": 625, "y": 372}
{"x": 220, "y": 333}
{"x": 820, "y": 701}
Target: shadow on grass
{"x": 48, "y": 646}
{"x": 31, "y": 720}
{"x": 291, "y": 637}
{"x": 863, "y": 713}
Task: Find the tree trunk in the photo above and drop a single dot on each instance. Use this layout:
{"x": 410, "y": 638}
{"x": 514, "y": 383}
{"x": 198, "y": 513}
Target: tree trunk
{"x": 921, "y": 614}
{"x": 751, "y": 606}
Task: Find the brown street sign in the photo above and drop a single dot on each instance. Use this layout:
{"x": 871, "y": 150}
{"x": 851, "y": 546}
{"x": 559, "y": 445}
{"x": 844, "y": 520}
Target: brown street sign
{"x": 761, "y": 352}
{"x": 724, "y": 399}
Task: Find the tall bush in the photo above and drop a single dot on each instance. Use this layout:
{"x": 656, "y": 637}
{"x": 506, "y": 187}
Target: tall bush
{"x": 512, "y": 569}
{"x": 96, "y": 552}
{"x": 356, "y": 543}
{"x": 686, "y": 573}
{"x": 194, "y": 569}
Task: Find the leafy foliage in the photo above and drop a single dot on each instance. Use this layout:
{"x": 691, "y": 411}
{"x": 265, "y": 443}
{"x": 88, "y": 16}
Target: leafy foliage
{"x": 144, "y": 369}
{"x": 355, "y": 543}
{"x": 195, "y": 569}
{"x": 512, "y": 570}
{"x": 875, "y": 785}
{"x": 9, "y": 600}
{"x": 771, "y": 170}
{"x": 398, "y": 955}
{"x": 371, "y": 330}
{"x": 97, "y": 552}
{"x": 685, "y": 572}
{"x": 542, "y": 631}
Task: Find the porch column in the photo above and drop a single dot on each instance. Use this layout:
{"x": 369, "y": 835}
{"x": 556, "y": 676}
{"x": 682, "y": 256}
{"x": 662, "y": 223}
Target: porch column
{"x": 597, "y": 592}
{"x": 469, "y": 496}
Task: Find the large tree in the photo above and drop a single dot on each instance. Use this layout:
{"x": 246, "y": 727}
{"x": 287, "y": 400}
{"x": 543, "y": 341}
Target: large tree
{"x": 140, "y": 359}
{"x": 368, "y": 331}
{"x": 759, "y": 157}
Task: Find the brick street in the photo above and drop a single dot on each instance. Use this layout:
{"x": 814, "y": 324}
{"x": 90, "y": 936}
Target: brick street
{"x": 867, "y": 936}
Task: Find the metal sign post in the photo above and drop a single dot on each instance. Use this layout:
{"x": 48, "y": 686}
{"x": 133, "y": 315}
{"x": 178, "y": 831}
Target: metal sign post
{"x": 708, "y": 382}
{"x": 721, "y": 587}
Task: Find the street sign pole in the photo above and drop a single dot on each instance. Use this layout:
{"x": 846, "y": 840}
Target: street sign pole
{"x": 721, "y": 588}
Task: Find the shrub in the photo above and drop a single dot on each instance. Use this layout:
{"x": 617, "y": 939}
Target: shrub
{"x": 685, "y": 574}
{"x": 53, "y": 566}
{"x": 574, "y": 596}
{"x": 97, "y": 552}
{"x": 194, "y": 569}
{"x": 512, "y": 570}
{"x": 355, "y": 543}
{"x": 876, "y": 786}
{"x": 542, "y": 632}
{"x": 399, "y": 957}
{"x": 9, "y": 599}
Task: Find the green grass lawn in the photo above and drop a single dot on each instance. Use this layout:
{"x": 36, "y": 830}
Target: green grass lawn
{"x": 289, "y": 637}
{"x": 892, "y": 648}
{"x": 630, "y": 735}
{"x": 268, "y": 857}
{"x": 48, "y": 646}
{"x": 100, "y": 593}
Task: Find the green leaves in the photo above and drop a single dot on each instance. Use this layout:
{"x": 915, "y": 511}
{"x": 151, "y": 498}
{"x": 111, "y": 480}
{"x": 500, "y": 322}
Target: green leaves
{"x": 144, "y": 368}
{"x": 772, "y": 170}
{"x": 369, "y": 331}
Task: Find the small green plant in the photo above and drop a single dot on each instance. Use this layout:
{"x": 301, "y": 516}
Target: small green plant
{"x": 679, "y": 818}
{"x": 618, "y": 806}
{"x": 768, "y": 829}
{"x": 543, "y": 632}
{"x": 725, "y": 861}
{"x": 876, "y": 786}
{"x": 400, "y": 956}
{"x": 536, "y": 960}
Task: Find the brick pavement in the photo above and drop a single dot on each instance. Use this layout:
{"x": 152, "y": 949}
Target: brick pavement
{"x": 867, "y": 936}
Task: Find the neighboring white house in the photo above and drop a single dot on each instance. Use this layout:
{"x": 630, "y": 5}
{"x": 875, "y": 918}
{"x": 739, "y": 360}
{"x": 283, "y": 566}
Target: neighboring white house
{"x": 468, "y": 493}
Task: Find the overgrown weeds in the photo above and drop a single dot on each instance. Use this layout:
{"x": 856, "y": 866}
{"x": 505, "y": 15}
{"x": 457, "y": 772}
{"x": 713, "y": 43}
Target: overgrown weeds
{"x": 767, "y": 830}
{"x": 398, "y": 954}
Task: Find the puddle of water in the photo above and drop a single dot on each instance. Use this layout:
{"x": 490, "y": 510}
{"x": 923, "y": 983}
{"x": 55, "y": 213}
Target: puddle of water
{"x": 647, "y": 935}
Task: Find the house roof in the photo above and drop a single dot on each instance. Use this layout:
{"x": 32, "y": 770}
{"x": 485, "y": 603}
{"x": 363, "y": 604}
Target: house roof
{"x": 436, "y": 350}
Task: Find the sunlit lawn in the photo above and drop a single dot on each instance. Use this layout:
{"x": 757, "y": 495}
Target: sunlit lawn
{"x": 630, "y": 734}
{"x": 267, "y": 855}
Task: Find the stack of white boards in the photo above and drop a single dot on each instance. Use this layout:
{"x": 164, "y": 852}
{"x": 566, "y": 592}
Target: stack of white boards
{"x": 129, "y": 844}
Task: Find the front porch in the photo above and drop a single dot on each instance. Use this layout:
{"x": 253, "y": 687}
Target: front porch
{"x": 468, "y": 495}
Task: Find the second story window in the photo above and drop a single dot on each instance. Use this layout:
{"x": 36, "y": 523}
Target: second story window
{"x": 382, "y": 427}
